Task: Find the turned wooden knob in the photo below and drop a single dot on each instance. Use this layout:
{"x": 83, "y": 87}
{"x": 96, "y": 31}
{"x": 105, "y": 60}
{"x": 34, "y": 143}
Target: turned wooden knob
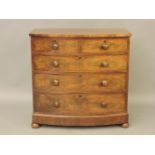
{"x": 35, "y": 125}
{"x": 55, "y": 45}
{"x": 105, "y": 46}
{"x": 55, "y": 63}
{"x": 56, "y": 104}
{"x": 104, "y": 64}
{"x": 104, "y": 104}
{"x": 104, "y": 83}
{"x": 125, "y": 125}
{"x": 55, "y": 82}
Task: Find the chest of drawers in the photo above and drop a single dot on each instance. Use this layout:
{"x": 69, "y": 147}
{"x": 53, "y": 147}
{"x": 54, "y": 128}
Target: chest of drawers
{"x": 80, "y": 77}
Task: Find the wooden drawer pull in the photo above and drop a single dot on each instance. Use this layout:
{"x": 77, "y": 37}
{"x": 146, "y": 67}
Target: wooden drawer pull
{"x": 55, "y": 63}
{"x": 104, "y": 64}
{"x": 104, "y": 105}
{"x": 105, "y": 46}
{"x": 55, "y": 45}
{"x": 56, "y": 104}
{"x": 104, "y": 83}
{"x": 55, "y": 82}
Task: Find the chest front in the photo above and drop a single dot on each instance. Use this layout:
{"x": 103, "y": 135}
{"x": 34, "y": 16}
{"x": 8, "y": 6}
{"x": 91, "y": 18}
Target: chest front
{"x": 80, "y": 79}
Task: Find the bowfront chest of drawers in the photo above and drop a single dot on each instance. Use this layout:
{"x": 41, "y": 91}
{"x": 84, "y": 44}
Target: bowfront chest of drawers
{"x": 80, "y": 77}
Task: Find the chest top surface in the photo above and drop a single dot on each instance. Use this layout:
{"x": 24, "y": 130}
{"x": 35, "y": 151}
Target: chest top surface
{"x": 80, "y": 33}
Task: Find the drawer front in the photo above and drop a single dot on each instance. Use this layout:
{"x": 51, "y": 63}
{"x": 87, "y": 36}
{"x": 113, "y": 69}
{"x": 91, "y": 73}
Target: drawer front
{"x": 80, "y": 83}
{"x": 105, "y": 46}
{"x": 77, "y": 104}
{"x": 63, "y": 46}
{"x": 80, "y": 64}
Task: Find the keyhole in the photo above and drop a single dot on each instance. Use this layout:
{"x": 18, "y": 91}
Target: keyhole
{"x": 80, "y": 96}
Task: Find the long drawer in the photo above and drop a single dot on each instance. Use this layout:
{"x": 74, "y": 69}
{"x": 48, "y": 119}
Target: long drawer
{"x": 80, "y": 63}
{"x": 92, "y": 104}
{"x": 80, "y": 83}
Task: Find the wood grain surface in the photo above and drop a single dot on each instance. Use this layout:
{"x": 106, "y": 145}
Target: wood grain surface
{"x": 80, "y": 83}
{"x": 95, "y": 120}
{"x": 80, "y": 76}
{"x": 115, "y": 45}
{"x": 80, "y": 63}
{"x": 66, "y": 46}
{"x": 79, "y": 104}
{"x": 74, "y": 33}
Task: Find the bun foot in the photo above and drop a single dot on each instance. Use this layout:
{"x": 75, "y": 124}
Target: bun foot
{"x": 125, "y": 125}
{"x": 35, "y": 125}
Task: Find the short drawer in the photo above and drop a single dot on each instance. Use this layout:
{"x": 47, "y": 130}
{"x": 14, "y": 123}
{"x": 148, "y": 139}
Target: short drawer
{"x": 80, "y": 83}
{"x": 55, "y": 46}
{"x": 79, "y": 104}
{"x": 80, "y": 64}
{"x": 105, "y": 46}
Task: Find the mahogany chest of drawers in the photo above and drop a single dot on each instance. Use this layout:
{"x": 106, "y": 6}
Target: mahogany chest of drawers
{"x": 80, "y": 77}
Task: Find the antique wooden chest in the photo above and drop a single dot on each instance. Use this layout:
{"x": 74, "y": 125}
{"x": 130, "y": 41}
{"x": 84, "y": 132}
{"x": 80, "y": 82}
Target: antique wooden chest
{"x": 80, "y": 77}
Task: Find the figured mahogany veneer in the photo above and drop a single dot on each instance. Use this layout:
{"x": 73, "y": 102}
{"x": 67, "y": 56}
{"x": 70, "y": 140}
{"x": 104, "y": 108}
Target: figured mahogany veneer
{"x": 45, "y": 45}
{"x": 114, "y": 45}
{"x": 80, "y": 77}
{"x": 80, "y": 63}
{"x": 80, "y": 83}
{"x": 79, "y": 104}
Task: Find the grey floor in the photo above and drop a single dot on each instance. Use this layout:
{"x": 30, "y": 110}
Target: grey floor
{"x": 15, "y": 119}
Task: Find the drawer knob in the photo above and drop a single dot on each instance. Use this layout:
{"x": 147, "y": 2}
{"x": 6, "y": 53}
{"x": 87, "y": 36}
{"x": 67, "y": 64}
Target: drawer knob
{"x": 55, "y": 45}
{"x": 104, "y": 105}
{"x": 105, "y": 46}
{"x": 56, "y": 104}
{"x": 55, "y": 63}
{"x": 104, "y": 83}
{"x": 55, "y": 82}
{"x": 104, "y": 64}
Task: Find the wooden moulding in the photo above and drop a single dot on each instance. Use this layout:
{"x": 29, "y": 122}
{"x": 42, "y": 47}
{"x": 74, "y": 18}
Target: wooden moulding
{"x": 62, "y": 120}
{"x": 90, "y": 33}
